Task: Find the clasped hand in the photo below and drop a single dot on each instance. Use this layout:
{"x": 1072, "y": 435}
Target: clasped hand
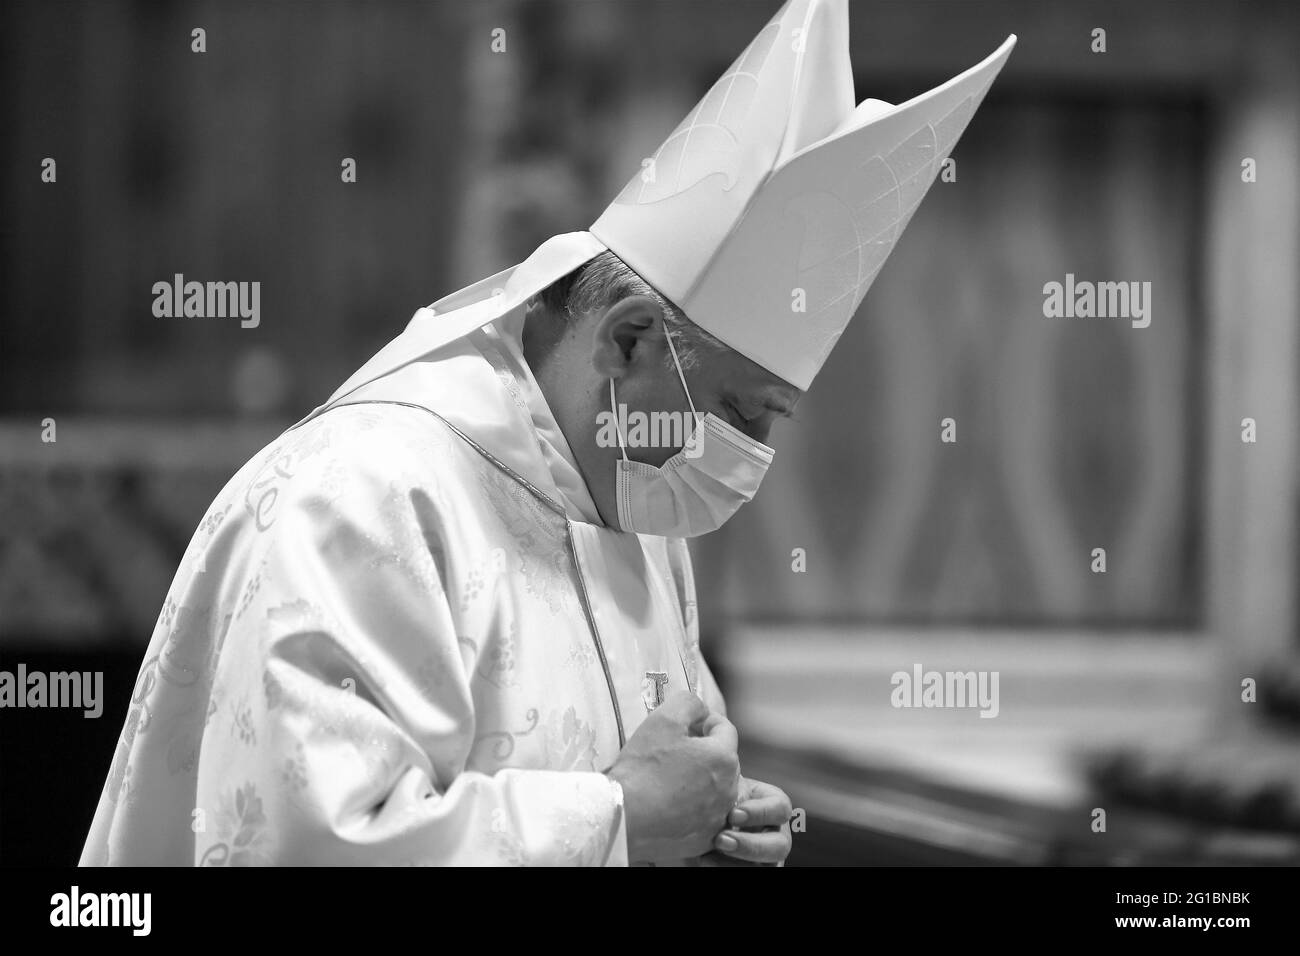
{"x": 684, "y": 798}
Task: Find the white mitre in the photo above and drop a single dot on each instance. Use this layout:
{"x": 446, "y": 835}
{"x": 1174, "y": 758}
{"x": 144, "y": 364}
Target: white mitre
{"x": 767, "y": 213}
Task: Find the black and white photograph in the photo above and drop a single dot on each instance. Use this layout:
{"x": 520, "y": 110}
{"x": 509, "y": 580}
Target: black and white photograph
{"x": 652, "y": 433}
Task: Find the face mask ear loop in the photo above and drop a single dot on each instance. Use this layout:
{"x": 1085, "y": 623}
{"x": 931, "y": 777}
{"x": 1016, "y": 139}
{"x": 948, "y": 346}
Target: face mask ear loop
{"x": 614, "y": 409}
{"x": 695, "y": 416}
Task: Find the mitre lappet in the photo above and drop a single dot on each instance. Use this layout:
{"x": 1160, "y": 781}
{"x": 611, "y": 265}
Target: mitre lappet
{"x": 765, "y": 215}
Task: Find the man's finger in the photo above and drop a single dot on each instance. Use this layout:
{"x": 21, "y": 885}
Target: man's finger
{"x": 711, "y": 721}
{"x": 722, "y": 730}
{"x": 684, "y": 707}
{"x": 764, "y": 806}
{"x": 769, "y": 846}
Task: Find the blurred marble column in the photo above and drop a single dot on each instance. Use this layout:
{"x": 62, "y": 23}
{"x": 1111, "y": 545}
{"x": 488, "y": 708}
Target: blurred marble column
{"x": 1255, "y": 363}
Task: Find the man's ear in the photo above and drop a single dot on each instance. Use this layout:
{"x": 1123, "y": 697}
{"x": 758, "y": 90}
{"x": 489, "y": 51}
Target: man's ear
{"x": 627, "y": 334}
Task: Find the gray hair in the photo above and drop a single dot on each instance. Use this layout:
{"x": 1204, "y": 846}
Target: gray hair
{"x": 604, "y": 280}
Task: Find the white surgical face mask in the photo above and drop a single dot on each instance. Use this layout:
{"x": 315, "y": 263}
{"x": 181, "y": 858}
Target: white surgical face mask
{"x": 704, "y": 484}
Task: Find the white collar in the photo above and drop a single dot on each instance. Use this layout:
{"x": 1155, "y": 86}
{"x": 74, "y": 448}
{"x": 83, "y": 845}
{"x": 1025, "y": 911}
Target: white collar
{"x": 506, "y": 355}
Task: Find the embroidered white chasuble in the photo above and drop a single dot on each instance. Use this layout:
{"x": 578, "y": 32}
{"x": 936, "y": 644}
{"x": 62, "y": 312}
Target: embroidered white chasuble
{"x": 402, "y": 635}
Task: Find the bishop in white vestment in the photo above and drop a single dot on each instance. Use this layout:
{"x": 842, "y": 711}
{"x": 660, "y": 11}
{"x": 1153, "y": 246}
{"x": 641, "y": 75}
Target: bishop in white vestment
{"x": 396, "y": 638}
